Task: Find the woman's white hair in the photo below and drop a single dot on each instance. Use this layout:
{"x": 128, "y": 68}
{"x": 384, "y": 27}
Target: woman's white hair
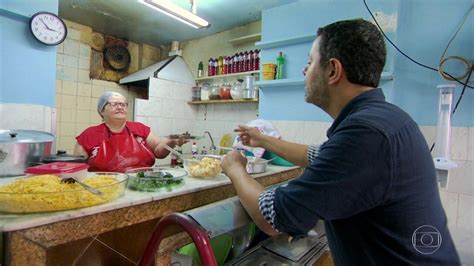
{"x": 104, "y": 99}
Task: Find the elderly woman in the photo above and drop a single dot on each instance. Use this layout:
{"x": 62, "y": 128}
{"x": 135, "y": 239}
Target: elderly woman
{"x": 117, "y": 144}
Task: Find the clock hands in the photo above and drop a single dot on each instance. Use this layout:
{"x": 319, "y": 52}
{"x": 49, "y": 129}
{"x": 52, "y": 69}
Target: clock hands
{"x": 42, "y": 21}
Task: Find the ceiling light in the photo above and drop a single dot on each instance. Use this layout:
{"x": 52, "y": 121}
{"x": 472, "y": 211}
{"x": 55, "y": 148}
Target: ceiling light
{"x": 175, "y": 11}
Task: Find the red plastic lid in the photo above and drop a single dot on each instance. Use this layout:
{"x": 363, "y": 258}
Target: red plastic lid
{"x": 56, "y": 168}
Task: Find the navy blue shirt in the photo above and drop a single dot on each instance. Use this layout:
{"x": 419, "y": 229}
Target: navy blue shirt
{"x": 374, "y": 184}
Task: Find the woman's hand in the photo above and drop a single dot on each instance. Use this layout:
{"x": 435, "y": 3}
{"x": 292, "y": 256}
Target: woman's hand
{"x": 232, "y": 162}
{"x": 177, "y": 142}
{"x": 250, "y": 136}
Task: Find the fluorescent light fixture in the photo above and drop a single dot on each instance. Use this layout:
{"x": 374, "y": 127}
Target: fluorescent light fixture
{"x": 176, "y": 12}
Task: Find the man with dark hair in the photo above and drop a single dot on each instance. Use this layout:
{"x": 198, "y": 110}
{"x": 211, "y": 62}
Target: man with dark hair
{"x": 373, "y": 181}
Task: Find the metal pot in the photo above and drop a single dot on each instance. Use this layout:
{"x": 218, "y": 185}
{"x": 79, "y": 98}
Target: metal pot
{"x": 20, "y": 149}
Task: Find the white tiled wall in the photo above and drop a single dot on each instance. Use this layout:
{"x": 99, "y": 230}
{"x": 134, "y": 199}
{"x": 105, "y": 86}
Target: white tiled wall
{"x": 26, "y": 116}
{"x": 167, "y": 112}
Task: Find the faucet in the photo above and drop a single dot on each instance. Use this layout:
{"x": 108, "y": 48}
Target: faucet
{"x": 213, "y": 147}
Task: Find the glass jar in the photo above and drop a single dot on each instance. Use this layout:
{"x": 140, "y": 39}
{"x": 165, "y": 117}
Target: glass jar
{"x": 214, "y": 94}
{"x": 236, "y": 91}
{"x": 196, "y": 93}
{"x": 224, "y": 92}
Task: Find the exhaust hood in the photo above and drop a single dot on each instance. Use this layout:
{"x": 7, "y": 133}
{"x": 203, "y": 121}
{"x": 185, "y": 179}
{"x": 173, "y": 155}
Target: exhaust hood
{"x": 172, "y": 68}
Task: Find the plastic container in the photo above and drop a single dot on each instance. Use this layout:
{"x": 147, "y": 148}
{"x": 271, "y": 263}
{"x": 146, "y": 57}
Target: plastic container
{"x": 275, "y": 159}
{"x": 151, "y": 179}
{"x": 61, "y": 169}
{"x": 27, "y": 196}
{"x": 203, "y": 166}
{"x": 269, "y": 67}
{"x": 268, "y": 75}
{"x": 256, "y": 165}
{"x": 205, "y": 92}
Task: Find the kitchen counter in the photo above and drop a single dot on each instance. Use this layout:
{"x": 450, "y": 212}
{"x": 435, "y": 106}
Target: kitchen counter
{"x": 46, "y": 235}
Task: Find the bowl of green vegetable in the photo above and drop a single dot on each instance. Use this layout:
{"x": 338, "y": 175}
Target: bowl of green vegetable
{"x": 151, "y": 179}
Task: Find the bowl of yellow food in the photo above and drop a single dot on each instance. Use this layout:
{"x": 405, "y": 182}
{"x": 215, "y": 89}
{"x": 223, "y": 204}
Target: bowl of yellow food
{"x": 204, "y": 166}
{"x": 46, "y": 193}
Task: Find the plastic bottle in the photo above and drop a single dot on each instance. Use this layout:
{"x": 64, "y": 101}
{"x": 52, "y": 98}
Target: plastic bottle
{"x": 194, "y": 150}
{"x": 179, "y": 160}
{"x": 280, "y": 62}
{"x": 174, "y": 160}
{"x": 251, "y": 60}
{"x": 256, "y": 59}
{"x": 245, "y": 62}
{"x": 203, "y": 151}
{"x": 200, "y": 69}
{"x": 210, "y": 67}
{"x": 220, "y": 65}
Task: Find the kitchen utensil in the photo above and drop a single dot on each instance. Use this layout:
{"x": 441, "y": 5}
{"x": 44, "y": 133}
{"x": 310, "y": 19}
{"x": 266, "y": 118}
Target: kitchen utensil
{"x": 173, "y": 151}
{"x": 71, "y": 179}
{"x": 151, "y": 179}
{"x": 20, "y": 149}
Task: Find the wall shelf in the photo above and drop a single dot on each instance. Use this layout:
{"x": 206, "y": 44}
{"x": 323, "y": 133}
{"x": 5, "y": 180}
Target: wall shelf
{"x": 222, "y": 101}
{"x": 386, "y": 75}
{"x": 246, "y": 39}
{"x": 300, "y": 81}
{"x": 281, "y": 82}
{"x": 286, "y": 41}
{"x": 229, "y": 75}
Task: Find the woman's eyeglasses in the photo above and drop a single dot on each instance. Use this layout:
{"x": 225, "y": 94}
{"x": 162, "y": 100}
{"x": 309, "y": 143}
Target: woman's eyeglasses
{"x": 117, "y": 104}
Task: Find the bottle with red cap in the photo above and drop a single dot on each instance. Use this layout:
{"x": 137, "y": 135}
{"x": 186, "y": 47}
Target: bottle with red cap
{"x": 210, "y": 67}
{"x": 251, "y": 61}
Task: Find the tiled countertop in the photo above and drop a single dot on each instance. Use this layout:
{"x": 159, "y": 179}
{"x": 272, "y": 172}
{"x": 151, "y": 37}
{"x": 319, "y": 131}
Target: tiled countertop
{"x": 14, "y": 222}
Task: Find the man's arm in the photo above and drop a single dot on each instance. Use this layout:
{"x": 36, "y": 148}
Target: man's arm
{"x": 248, "y": 190}
{"x": 293, "y": 152}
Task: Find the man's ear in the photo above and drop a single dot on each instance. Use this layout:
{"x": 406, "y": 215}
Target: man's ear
{"x": 335, "y": 70}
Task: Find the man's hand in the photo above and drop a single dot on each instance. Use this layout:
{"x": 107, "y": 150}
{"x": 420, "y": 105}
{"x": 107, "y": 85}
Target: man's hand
{"x": 250, "y": 136}
{"x": 233, "y": 162}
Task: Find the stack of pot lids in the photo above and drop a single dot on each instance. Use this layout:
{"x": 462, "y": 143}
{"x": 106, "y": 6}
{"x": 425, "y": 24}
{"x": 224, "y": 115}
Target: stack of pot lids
{"x": 62, "y": 156}
{"x": 25, "y": 136}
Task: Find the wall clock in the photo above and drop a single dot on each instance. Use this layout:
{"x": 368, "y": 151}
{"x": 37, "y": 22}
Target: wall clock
{"x": 48, "y": 28}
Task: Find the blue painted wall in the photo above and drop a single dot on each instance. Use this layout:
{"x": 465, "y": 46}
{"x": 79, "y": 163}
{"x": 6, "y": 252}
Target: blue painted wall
{"x": 27, "y": 67}
{"x": 423, "y": 30}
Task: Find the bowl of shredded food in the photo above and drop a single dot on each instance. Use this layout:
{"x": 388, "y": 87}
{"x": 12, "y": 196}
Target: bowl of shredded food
{"x": 203, "y": 166}
{"x": 45, "y": 193}
{"x": 150, "y": 179}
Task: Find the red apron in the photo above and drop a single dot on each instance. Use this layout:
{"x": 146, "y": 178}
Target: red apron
{"x": 119, "y": 153}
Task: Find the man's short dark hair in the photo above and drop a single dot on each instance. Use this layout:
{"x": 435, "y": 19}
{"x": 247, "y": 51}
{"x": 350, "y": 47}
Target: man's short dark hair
{"x": 360, "y": 47}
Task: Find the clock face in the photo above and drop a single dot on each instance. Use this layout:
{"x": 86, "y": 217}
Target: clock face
{"x": 48, "y": 28}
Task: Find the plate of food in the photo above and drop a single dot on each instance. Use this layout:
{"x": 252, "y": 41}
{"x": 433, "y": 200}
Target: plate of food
{"x": 185, "y": 135}
{"x": 150, "y": 179}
